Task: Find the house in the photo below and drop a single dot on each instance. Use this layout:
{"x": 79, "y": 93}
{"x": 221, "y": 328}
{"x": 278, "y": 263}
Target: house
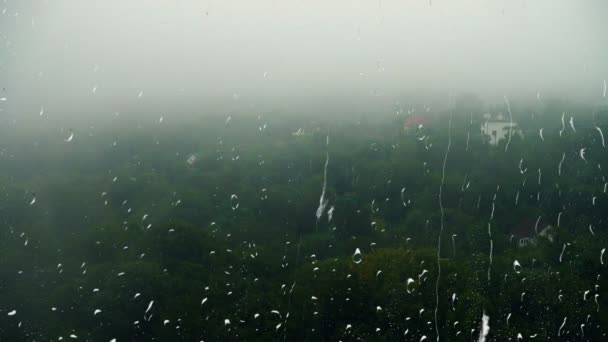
{"x": 528, "y": 232}
{"x": 298, "y": 133}
{"x": 548, "y": 233}
{"x": 497, "y": 128}
{"x": 414, "y": 123}
{"x": 191, "y": 159}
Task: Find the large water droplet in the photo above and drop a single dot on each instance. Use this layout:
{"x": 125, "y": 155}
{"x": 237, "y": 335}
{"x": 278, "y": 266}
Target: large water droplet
{"x": 357, "y": 256}
{"x": 234, "y": 201}
{"x": 516, "y": 266}
{"x": 70, "y": 136}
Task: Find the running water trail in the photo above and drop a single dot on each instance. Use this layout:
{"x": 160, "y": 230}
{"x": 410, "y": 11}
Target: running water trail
{"x": 491, "y": 250}
{"x": 490, "y": 232}
{"x": 445, "y": 159}
{"x": 522, "y": 171}
{"x": 149, "y": 307}
{"x": 485, "y": 328}
{"x": 510, "y": 122}
{"x": 559, "y": 332}
{"x": 559, "y": 167}
{"x": 571, "y": 122}
{"x": 561, "y": 256}
{"x": 293, "y": 285}
{"x": 322, "y": 205}
{"x": 323, "y": 201}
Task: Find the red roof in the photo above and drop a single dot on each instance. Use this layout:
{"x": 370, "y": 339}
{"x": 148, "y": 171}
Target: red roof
{"x": 415, "y": 121}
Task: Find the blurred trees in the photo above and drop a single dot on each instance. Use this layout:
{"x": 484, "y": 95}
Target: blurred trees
{"x": 136, "y": 223}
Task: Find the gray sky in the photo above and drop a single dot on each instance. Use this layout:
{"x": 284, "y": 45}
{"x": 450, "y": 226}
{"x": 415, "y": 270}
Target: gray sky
{"x": 262, "y": 53}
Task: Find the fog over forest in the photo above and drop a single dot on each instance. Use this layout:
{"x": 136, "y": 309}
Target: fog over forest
{"x": 91, "y": 58}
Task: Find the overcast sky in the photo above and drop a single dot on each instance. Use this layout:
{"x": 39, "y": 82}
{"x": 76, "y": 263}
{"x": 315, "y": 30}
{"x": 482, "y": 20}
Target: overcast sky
{"x": 89, "y": 56}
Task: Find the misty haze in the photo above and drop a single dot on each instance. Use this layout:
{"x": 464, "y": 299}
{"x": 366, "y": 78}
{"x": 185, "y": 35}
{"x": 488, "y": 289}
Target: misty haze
{"x": 413, "y": 170}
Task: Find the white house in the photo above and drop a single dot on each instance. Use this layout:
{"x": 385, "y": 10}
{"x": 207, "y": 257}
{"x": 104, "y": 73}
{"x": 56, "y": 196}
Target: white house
{"x": 497, "y": 128}
{"x": 526, "y": 233}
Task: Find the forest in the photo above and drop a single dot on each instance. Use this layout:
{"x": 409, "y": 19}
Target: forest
{"x": 312, "y": 227}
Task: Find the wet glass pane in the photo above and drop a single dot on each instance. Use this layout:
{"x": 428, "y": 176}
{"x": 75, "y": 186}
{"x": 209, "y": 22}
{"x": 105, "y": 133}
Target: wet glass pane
{"x": 303, "y": 170}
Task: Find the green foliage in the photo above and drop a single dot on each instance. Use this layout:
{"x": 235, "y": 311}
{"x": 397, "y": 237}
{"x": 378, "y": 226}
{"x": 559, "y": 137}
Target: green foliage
{"x": 115, "y": 228}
